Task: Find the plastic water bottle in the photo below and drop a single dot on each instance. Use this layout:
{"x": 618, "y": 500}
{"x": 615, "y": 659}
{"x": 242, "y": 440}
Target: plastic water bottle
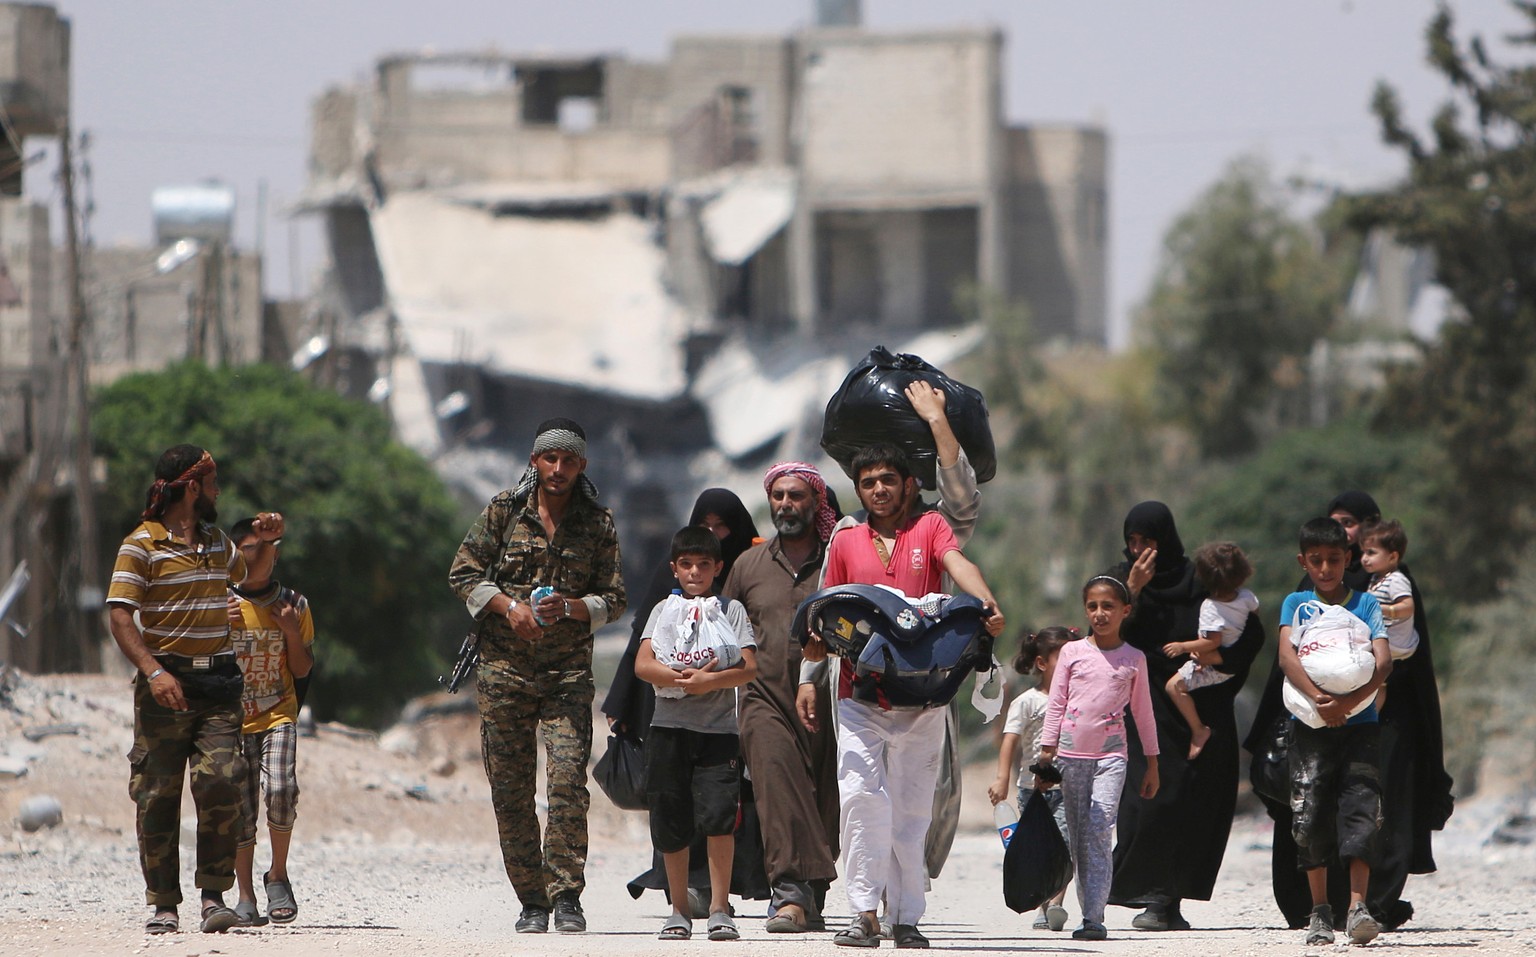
{"x": 1006, "y": 819}
{"x": 539, "y": 594}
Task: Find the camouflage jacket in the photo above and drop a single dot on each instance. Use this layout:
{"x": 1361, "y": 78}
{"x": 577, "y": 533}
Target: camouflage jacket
{"x": 581, "y": 562}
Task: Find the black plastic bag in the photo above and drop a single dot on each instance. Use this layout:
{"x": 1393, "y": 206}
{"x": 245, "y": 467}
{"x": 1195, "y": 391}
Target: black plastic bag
{"x": 1270, "y": 770}
{"x": 870, "y": 407}
{"x": 1037, "y": 863}
{"x": 620, "y": 772}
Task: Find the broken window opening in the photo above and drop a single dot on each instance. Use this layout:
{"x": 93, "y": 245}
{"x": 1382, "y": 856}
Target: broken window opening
{"x": 579, "y": 210}
{"x": 548, "y": 89}
{"x": 740, "y": 125}
{"x": 848, "y": 269}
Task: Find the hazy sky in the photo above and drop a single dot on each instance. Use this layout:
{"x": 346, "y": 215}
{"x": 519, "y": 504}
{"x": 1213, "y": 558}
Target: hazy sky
{"x": 174, "y": 92}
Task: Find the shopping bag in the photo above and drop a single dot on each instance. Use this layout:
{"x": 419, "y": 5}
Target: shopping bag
{"x": 1037, "y": 863}
{"x": 620, "y": 772}
{"x": 693, "y": 632}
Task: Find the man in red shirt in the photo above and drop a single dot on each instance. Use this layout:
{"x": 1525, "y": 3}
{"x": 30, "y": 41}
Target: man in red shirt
{"x": 888, "y": 758}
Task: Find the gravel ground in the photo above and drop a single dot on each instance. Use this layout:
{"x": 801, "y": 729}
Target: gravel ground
{"x": 395, "y": 855}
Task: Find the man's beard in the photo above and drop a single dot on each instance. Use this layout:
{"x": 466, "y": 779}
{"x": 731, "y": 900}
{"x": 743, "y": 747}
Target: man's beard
{"x": 205, "y": 510}
{"x": 791, "y": 524}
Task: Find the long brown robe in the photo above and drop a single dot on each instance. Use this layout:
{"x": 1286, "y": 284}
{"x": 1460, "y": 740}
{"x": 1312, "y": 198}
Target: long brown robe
{"x": 794, "y": 772}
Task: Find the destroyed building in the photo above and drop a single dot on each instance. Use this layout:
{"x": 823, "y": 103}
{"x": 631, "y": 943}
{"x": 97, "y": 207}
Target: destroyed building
{"x": 687, "y": 255}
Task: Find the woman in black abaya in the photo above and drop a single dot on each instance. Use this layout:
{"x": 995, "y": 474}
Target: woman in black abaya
{"x": 631, "y": 702}
{"x": 1170, "y": 848}
{"x": 1415, "y": 788}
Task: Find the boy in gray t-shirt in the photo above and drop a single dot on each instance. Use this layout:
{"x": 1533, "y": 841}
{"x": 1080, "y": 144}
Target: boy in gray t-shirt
{"x": 697, "y": 650}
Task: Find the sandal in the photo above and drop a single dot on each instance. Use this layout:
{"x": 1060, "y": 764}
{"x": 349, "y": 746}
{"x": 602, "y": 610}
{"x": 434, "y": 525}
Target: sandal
{"x": 282, "y": 907}
{"x": 907, "y": 935}
{"x": 217, "y": 918}
{"x": 249, "y": 914}
{"x": 722, "y": 927}
{"x": 860, "y": 933}
{"x": 782, "y": 923}
{"x": 677, "y": 927}
{"x": 164, "y": 922}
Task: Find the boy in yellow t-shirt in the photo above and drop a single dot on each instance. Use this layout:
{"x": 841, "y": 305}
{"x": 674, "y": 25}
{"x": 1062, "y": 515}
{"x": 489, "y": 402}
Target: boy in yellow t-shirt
{"x": 272, "y": 631}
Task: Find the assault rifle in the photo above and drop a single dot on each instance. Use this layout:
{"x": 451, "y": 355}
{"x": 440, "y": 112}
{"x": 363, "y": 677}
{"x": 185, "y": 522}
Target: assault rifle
{"x": 464, "y": 663}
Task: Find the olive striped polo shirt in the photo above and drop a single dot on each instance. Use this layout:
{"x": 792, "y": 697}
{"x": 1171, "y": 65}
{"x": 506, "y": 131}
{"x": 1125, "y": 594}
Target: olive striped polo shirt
{"x": 180, "y": 590}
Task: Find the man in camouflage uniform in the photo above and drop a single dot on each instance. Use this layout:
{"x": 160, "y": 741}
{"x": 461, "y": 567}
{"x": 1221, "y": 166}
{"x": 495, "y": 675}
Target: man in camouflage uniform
{"x": 536, "y": 662}
{"x": 174, "y": 570}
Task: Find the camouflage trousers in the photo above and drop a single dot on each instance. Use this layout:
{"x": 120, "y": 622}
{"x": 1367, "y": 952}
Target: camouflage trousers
{"x": 515, "y": 712}
{"x": 165, "y": 742}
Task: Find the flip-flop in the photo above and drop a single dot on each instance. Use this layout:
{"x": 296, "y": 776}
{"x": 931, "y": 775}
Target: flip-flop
{"x": 217, "y": 918}
{"x": 282, "y": 907}
{"x": 167, "y": 923}
{"x": 250, "y": 915}
{"x": 677, "y": 927}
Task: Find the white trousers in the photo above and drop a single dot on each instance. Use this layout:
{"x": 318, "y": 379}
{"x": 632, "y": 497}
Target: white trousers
{"x": 887, "y": 769}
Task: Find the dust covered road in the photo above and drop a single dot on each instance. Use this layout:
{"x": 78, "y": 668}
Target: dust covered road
{"x": 394, "y": 857}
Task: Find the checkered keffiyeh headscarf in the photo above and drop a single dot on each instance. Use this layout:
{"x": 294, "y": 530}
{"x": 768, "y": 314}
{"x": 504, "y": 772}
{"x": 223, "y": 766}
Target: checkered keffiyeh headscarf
{"x": 557, "y": 435}
{"x": 156, "y": 504}
{"x": 826, "y": 516}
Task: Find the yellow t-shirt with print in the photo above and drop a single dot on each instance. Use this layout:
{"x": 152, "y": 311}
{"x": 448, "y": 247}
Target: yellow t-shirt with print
{"x": 269, "y": 698}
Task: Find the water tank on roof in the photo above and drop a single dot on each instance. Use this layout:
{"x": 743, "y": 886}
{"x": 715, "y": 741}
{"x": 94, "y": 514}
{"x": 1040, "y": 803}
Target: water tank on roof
{"x": 205, "y": 212}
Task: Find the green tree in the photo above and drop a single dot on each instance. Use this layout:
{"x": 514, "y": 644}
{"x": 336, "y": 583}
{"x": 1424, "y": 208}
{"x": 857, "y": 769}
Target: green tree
{"x": 371, "y": 528}
{"x": 1243, "y": 292}
{"x": 1262, "y": 502}
{"x": 1470, "y": 197}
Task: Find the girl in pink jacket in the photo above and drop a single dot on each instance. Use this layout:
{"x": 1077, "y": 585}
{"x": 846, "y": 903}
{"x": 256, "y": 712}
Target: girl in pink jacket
{"x": 1085, "y": 734}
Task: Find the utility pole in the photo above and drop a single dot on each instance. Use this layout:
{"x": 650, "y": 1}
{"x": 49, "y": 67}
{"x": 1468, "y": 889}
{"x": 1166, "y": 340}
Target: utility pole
{"x": 88, "y": 591}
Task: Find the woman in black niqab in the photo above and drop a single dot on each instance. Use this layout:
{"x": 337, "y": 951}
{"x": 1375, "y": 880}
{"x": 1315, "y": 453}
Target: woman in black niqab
{"x": 1170, "y": 848}
{"x": 1354, "y": 510}
{"x": 1415, "y": 788}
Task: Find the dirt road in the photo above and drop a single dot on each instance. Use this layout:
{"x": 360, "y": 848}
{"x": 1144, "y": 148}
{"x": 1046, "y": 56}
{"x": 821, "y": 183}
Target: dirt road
{"x": 392, "y": 860}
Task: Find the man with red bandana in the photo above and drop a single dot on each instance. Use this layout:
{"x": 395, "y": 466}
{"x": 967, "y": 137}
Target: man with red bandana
{"x": 174, "y": 570}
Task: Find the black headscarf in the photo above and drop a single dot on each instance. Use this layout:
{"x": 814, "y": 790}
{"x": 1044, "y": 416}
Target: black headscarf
{"x": 1357, "y": 503}
{"x": 630, "y": 701}
{"x": 723, "y": 503}
{"x": 1154, "y": 520}
{"x": 1365, "y": 510}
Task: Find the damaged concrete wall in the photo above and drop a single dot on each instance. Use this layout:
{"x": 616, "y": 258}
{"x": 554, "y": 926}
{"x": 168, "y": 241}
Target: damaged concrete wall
{"x": 141, "y": 320}
{"x": 28, "y": 331}
{"x": 429, "y": 135}
{"x": 729, "y": 101}
{"x": 888, "y": 118}
{"x": 332, "y": 134}
{"x": 1058, "y": 234}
